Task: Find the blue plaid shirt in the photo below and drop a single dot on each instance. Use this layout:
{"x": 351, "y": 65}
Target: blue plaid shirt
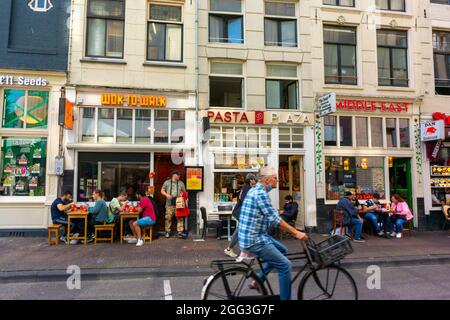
{"x": 257, "y": 214}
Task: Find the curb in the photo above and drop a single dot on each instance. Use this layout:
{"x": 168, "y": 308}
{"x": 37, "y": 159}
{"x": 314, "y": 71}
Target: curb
{"x": 197, "y": 271}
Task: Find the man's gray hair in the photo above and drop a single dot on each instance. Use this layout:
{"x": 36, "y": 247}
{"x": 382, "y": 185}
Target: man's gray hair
{"x": 266, "y": 172}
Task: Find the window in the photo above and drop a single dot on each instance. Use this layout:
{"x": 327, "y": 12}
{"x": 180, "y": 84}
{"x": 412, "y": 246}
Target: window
{"x": 363, "y": 176}
{"x": 226, "y": 23}
{"x": 391, "y": 133}
{"x": 124, "y": 126}
{"x": 25, "y": 109}
{"x": 342, "y": 3}
{"x": 441, "y": 1}
{"x": 281, "y": 93}
{"x": 392, "y": 58}
{"x": 226, "y": 85}
{"x": 280, "y": 25}
{"x": 362, "y": 132}
{"x": 391, "y": 5}
{"x": 178, "y": 126}
{"x": 23, "y": 166}
{"x": 105, "y": 28}
{"x": 161, "y": 126}
{"x": 165, "y": 33}
{"x": 404, "y": 133}
{"x": 105, "y": 131}
{"x": 291, "y": 138}
{"x": 340, "y": 55}
{"x": 345, "y": 125}
{"x": 376, "y": 131}
{"x": 441, "y": 46}
{"x": 240, "y": 137}
{"x": 143, "y": 126}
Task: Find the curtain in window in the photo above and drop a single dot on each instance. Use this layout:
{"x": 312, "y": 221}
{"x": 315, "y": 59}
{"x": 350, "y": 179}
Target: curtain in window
{"x": 174, "y": 42}
{"x": 273, "y": 93}
{"x": 96, "y": 37}
{"x": 216, "y": 29}
{"x": 271, "y": 32}
{"x": 288, "y": 33}
{"x": 400, "y": 68}
{"x": 384, "y": 69}
{"x": 114, "y": 44}
{"x": 331, "y": 63}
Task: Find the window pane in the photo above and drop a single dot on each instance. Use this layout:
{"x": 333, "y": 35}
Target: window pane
{"x": 348, "y": 64}
{"x": 331, "y": 63}
{"x": 376, "y": 129}
{"x": 400, "y": 67}
{"x": 88, "y": 125}
{"x": 23, "y": 166}
{"x": 228, "y": 137}
{"x": 273, "y": 94}
{"x": 225, "y": 92}
{"x": 178, "y": 127}
{"x": 124, "y": 126}
{"x": 271, "y": 32}
{"x": 114, "y": 37}
{"x": 404, "y": 133}
{"x": 440, "y": 67}
{"x": 161, "y": 126}
{"x": 143, "y": 126}
{"x": 398, "y": 5}
{"x": 226, "y": 68}
{"x": 253, "y": 137}
{"x": 14, "y": 108}
{"x": 384, "y": 67}
{"x": 105, "y": 127}
{"x": 339, "y": 35}
{"x": 173, "y": 42}
{"x": 106, "y": 8}
{"x": 96, "y": 37}
{"x": 225, "y": 6}
{"x": 216, "y": 29}
{"x": 362, "y": 132}
{"x": 330, "y": 129}
{"x": 346, "y": 131}
{"x": 37, "y": 109}
{"x": 382, "y": 4}
{"x": 392, "y": 38}
{"x": 215, "y": 140}
{"x": 156, "y": 40}
{"x": 281, "y": 71}
{"x": 235, "y": 30}
{"x": 280, "y": 9}
{"x": 289, "y": 33}
{"x": 240, "y": 138}
{"x": 391, "y": 133}
{"x": 441, "y": 41}
{"x": 165, "y": 13}
{"x": 292, "y": 96}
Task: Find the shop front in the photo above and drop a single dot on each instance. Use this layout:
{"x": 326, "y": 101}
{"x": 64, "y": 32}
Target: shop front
{"x": 29, "y": 145}
{"x": 125, "y": 141}
{"x": 367, "y": 147}
{"x": 243, "y": 142}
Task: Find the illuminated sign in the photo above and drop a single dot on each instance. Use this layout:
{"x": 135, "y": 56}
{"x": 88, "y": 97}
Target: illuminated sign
{"x": 373, "y": 106}
{"x": 258, "y": 117}
{"x": 110, "y": 99}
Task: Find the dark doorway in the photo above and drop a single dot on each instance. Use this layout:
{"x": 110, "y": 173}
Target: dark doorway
{"x": 400, "y": 179}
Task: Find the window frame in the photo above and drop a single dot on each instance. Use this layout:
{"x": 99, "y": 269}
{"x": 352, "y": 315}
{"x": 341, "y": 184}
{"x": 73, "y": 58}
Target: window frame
{"x": 122, "y": 18}
{"x": 279, "y": 19}
{"x": 292, "y": 79}
{"x": 222, "y": 75}
{"x": 391, "y": 66}
{"x": 338, "y": 4}
{"x": 446, "y": 54}
{"x": 226, "y": 16}
{"x": 389, "y": 3}
{"x": 165, "y": 23}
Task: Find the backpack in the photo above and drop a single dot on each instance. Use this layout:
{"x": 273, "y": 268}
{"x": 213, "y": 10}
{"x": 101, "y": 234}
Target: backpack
{"x": 154, "y": 204}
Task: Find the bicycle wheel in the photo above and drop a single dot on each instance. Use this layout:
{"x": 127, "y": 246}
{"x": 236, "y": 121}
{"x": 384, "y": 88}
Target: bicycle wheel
{"x": 233, "y": 284}
{"x": 330, "y": 283}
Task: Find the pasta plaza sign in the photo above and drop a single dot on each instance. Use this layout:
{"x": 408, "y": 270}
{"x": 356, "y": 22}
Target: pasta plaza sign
{"x": 258, "y": 117}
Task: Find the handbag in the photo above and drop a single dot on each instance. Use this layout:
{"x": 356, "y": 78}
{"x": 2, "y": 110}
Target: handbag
{"x": 180, "y": 204}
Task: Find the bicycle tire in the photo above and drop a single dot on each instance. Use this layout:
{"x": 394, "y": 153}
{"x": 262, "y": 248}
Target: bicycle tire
{"x": 317, "y": 281}
{"x": 214, "y": 287}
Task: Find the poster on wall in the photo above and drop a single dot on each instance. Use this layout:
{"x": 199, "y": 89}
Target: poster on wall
{"x": 194, "y": 178}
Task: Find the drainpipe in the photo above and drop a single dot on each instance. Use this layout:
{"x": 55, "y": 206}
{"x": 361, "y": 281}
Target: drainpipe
{"x": 197, "y": 84}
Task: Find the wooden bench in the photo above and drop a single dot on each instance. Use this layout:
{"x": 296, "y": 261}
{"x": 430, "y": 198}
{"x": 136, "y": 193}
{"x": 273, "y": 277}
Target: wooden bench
{"x": 104, "y": 228}
{"x": 147, "y": 234}
{"x": 53, "y": 230}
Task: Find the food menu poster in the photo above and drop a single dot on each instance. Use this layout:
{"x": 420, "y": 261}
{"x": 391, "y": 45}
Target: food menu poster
{"x": 440, "y": 171}
{"x": 194, "y": 178}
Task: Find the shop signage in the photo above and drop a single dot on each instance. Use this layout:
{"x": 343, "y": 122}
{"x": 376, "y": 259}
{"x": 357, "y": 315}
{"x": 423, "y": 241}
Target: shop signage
{"x": 432, "y": 130}
{"x": 258, "y": 117}
{"x": 433, "y": 148}
{"x": 7, "y": 80}
{"x": 438, "y": 171}
{"x": 228, "y": 116}
{"x": 442, "y": 116}
{"x": 65, "y": 113}
{"x": 373, "y": 106}
{"x": 110, "y": 99}
{"x": 327, "y": 104}
{"x": 194, "y": 178}
{"x": 288, "y": 118}
{"x": 40, "y": 5}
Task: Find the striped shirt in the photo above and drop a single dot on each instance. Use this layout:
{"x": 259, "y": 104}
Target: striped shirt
{"x": 257, "y": 214}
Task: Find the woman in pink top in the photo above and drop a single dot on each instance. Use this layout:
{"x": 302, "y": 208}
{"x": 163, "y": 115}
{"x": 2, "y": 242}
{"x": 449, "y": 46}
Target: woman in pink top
{"x": 400, "y": 214}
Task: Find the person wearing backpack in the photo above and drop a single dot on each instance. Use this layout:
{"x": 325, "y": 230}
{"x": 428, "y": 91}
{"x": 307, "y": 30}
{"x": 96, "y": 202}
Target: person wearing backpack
{"x": 250, "y": 181}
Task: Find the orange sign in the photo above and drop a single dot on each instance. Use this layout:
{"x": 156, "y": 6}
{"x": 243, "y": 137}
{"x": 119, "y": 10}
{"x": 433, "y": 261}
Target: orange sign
{"x": 68, "y": 115}
{"x": 194, "y": 178}
{"x": 131, "y": 100}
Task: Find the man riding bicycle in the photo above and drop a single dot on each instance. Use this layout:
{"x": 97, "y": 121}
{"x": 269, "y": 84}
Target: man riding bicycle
{"x": 257, "y": 215}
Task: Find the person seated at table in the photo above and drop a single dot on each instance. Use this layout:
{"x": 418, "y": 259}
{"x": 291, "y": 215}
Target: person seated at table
{"x": 116, "y": 206}
{"x": 147, "y": 214}
{"x": 98, "y": 214}
{"x": 351, "y": 218}
{"x": 290, "y": 209}
{"x": 59, "y": 209}
{"x": 400, "y": 214}
{"x": 372, "y": 210}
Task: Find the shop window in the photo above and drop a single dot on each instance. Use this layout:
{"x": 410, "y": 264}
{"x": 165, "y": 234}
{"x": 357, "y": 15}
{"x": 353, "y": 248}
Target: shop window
{"x": 376, "y": 131}
{"x": 340, "y": 55}
{"x": 240, "y": 137}
{"x": 391, "y": 133}
{"x": 226, "y": 85}
{"x": 226, "y": 21}
{"x": 441, "y": 48}
{"x": 363, "y": 176}
{"x": 23, "y": 166}
{"x": 143, "y": 126}
{"x": 231, "y": 161}
{"x": 346, "y": 127}
{"x": 178, "y": 126}
{"x": 281, "y": 93}
{"x": 404, "y": 133}
{"x": 165, "y": 33}
{"x": 342, "y": 3}
{"x": 392, "y": 58}
{"x": 124, "y": 126}
{"x": 161, "y": 126}
{"x": 362, "y": 132}
{"x": 25, "y": 109}
{"x": 280, "y": 25}
{"x": 105, "y": 28}
{"x": 330, "y": 131}
{"x": 88, "y": 125}
{"x": 391, "y": 5}
{"x": 291, "y": 138}
{"x": 105, "y": 131}
{"x": 440, "y": 177}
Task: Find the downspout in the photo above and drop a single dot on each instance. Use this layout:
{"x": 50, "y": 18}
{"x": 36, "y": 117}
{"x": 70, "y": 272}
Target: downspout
{"x": 197, "y": 84}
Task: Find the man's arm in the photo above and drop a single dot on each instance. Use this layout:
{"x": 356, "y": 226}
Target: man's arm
{"x": 164, "y": 193}
{"x": 62, "y": 207}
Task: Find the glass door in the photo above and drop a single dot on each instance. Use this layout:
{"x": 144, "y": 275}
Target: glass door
{"x": 296, "y": 186}
{"x": 401, "y": 180}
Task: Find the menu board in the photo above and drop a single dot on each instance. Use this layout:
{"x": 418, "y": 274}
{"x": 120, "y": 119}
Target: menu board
{"x": 194, "y": 178}
{"x": 437, "y": 171}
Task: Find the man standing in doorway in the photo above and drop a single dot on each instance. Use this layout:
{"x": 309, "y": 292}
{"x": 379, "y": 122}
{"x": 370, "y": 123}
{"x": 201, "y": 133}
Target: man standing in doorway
{"x": 171, "y": 189}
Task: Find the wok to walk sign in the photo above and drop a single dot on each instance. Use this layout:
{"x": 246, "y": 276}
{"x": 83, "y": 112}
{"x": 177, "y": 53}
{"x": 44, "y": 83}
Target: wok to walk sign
{"x": 432, "y": 130}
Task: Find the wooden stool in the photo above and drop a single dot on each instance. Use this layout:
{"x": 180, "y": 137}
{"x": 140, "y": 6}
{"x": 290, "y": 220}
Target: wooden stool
{"x": 147, "y": 234}
{"x": 104, "y": 227}
{"x": 410, "y": 227}
{"x": 53, "y": 230}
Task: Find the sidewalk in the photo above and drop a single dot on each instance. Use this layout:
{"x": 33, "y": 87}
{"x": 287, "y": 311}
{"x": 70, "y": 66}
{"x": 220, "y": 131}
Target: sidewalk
{"x": 34, "y": 258}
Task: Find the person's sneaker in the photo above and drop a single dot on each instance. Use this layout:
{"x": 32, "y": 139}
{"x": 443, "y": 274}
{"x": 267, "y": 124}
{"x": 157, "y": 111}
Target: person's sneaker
{"x": 167, "y": 235}
{"x": 90, "y": 238}
{"x": 140, "y": 243}
{"x": 73, "y": 242}
{"x": 393, "y": 234}
{"x": 398, "y": 235}
{"x": 244, "y": 256}
{"x": 230, "y": 253}
{"x": 381, "y": 233}
{"x": 359, "y": 240}
{"x": 63, "y": 239}
{"x": 132, "y": 240}
{"x": 180, "y": 235}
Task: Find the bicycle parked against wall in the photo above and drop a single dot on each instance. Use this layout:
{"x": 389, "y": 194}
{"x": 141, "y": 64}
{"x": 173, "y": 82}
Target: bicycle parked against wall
{"x": 324, "y": 277}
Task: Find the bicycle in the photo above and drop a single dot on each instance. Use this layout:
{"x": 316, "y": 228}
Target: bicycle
{"x": 322, "y": 267}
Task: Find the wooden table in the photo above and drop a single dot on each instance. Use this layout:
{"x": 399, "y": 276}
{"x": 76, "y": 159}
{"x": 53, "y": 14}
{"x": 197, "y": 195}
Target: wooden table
{"x": 125, "y": 216}
{"x": 77, "y": 215}
{"x": 227, "y": 215}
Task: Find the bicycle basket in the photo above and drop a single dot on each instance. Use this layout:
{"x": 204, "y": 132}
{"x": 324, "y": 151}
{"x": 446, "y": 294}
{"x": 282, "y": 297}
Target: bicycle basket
{"x": 330, "y": 250}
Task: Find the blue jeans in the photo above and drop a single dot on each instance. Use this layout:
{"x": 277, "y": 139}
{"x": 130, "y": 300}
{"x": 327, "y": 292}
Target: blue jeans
{"x": 399, "y": 222}
{"x": 373, "y": 218}
{"x": 357, "y": 224}
{"x": 273, "y": 255}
